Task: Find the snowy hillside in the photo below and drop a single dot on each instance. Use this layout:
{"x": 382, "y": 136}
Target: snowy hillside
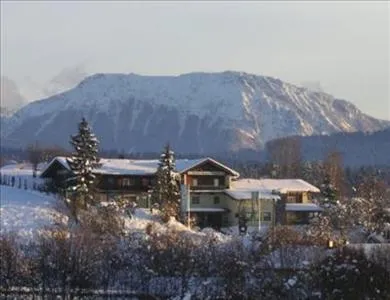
{"x": 26, "y": 212}
{"x": 196, "y": 112}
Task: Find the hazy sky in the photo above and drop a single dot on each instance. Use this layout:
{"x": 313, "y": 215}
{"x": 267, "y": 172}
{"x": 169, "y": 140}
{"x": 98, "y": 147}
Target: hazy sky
{"x": 344, "y": 46}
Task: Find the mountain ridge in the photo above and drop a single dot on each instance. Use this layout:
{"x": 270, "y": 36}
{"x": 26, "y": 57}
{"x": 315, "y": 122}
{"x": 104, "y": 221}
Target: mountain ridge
{"x": 200, "y": 111}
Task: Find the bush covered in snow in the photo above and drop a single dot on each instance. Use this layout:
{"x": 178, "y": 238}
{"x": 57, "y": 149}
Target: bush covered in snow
{"x": 349, "y": 274}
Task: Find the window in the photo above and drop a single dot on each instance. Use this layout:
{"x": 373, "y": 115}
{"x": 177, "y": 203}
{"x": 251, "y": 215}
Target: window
{"x": 225, "y": 220}
{"x": 195, "y": 200}
{"x": 110, "y": 180}
{"x": 291, "y": 198}
{"x": 216, "y": 200}
{"x": 267, "y": 216}
{"x": 145, "y": 181}
{"x": 194, "y": 181}
{"x": 127, "y": 182}
{"x": 216, "y": 182}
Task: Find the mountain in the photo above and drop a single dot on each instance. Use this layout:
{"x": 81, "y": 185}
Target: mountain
{"x": 196, "y": 113}
{"x": 357, "y": 148}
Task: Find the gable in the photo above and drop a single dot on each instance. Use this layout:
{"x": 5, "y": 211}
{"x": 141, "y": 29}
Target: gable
{"x": 210, "y": 166}
{"x": 54, "y": 169}
{"x": 207, "y": 166}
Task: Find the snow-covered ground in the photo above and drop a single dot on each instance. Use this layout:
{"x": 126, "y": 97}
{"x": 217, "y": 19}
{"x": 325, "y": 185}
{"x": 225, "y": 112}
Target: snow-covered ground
{"x": 26, "y": 212}
{"x": 23, "y": 210}
{"x": 23, "y": 171}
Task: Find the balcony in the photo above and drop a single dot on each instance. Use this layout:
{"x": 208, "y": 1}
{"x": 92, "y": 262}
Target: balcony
{"x": 207, "y": 187}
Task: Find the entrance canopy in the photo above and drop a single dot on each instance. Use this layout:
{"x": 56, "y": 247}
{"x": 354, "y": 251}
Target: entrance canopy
{"x": 308, "y": 207}
{"x": 246, "y": 194}
{"x": 207, "y": 209}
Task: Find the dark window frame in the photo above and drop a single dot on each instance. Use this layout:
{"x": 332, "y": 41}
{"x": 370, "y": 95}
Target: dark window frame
{"x": 195, "y": 197}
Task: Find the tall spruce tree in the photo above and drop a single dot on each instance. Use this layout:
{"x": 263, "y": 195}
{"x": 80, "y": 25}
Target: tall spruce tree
{"x": 83, "y": 160}
{"x": 328, "y": 191}
{"x": 166, "y": 191}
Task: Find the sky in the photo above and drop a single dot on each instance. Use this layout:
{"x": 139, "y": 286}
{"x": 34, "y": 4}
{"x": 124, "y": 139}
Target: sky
{"x": 341, "y": 46}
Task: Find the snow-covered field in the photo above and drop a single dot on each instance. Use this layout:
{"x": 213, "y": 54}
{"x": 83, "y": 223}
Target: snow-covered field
{"x": 23, "y": 210}
{"x": 26, "y": 212}
{"x": 24, "y": 172}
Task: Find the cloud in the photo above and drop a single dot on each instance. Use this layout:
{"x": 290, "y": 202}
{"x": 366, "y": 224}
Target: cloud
{"x": 66, "y": 79}
{"x": 314, "y": 86}
{"x": 11, "y": 98}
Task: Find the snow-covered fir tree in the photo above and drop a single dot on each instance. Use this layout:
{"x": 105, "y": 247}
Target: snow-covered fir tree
{"x": 329, "y": 192}
{"x": 166, "y": 192}
{"x": 83, "y": 160}
{"x": 338, "y": 216}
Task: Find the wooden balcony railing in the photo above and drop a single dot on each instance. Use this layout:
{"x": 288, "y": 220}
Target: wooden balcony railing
{"x": 207, "y": 187}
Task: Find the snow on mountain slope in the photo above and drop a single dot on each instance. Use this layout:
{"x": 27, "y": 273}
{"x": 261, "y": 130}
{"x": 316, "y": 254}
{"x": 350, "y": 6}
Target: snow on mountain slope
{"x": 196, "y": 112}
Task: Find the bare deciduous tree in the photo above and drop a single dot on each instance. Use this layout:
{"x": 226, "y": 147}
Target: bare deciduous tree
{"x": 375, "y": 200}
{"x": 35, "y": 155}
{"x": 285, "y": 155}
{"x": 334, "y": 170}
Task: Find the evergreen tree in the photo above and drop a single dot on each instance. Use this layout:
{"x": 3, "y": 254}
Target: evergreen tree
{"x": 329, "y": 191}
{"x": 82, "y": 161}
{"x": 166, "y": 191}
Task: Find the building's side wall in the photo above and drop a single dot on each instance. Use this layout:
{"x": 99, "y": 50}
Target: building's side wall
{"x": 252, "y": 209}
{"x": 297, "y": 197}
{"x": 141, "y": 198}
{"x": 129, "y": 183}
{"x": 124, "y": 187}
{"x": 206, "y": 200}
{"x": 292, "y": 218}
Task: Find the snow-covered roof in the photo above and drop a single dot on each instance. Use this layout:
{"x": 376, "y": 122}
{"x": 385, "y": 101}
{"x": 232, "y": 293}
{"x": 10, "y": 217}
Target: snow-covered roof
{"x": 245, "y": 194}
{"x": 302, "y": 207}
{"x": 278, "y": 185}
{"x": 116, "y": 166}
{"x": 376, "y": 238}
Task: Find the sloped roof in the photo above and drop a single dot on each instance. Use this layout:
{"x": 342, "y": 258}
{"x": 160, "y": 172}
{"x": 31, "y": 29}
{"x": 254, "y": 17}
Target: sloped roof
{"x": 183, "y": 165}
{"x": 246, "y": 194}
{"x": 116, "y": 166}
{"x": 278, "y": 185}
